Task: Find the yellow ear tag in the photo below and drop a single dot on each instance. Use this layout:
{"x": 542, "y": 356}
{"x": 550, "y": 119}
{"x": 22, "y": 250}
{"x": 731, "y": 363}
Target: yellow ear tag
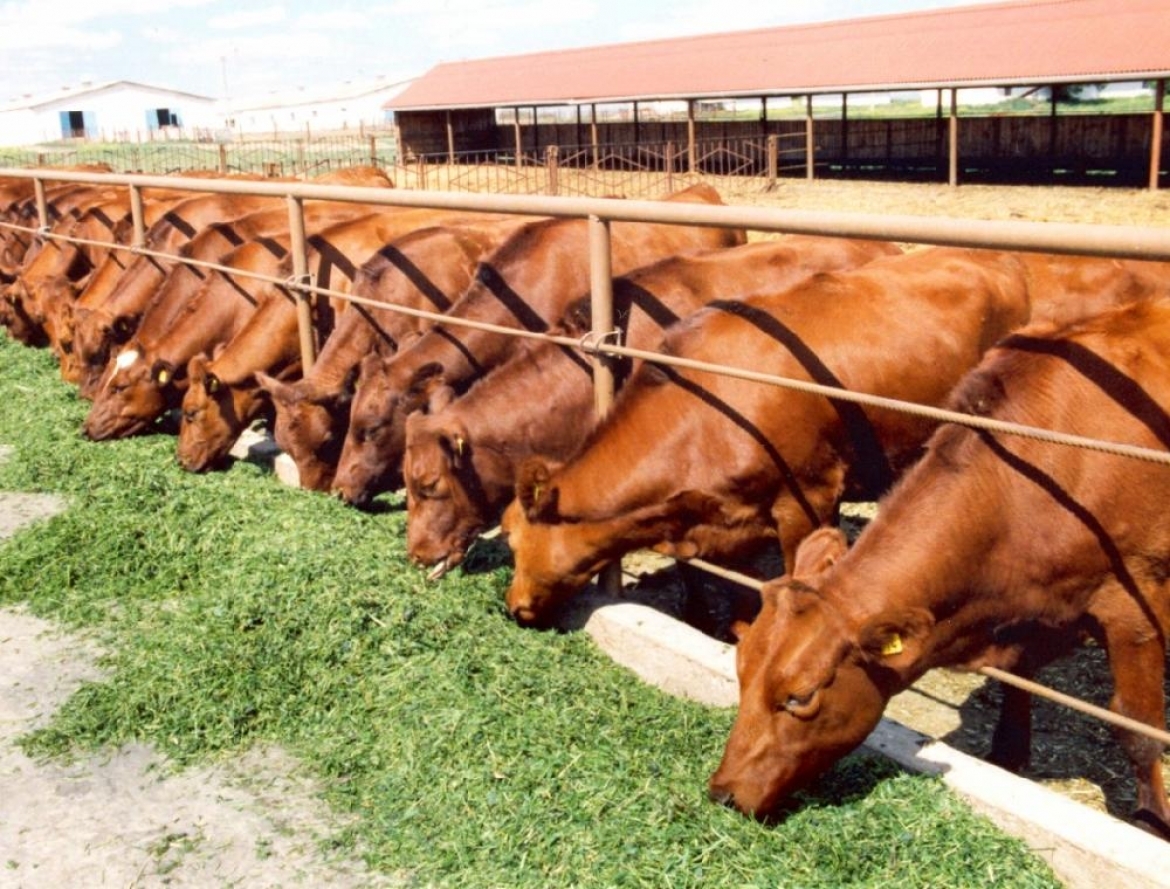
{"x": 892, "y": 646}
{"x": 163, "y": 376}
{"x": 536, "y": 489}
{"x": 459, "y": 445}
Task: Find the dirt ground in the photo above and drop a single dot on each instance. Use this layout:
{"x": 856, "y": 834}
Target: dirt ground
{"x": 122, "y": 819}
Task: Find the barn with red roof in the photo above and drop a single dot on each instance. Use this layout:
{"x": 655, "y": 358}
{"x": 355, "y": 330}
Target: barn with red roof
{"x": 679, "y": 90}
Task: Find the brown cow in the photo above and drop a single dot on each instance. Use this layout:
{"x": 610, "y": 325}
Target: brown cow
{"x": 223, "y": 395}
{"x": 149, "y": 375}
{"x": 119, "y": 315}
{"x": 61, "y": 199}
{"x": 61, "y": 270}
{"x": 100, "y": 284}
{"x": 65, "y": 205}
{"x": 461, "y": 461}
{"x": 994, "y": 550}
{"x": 427, "y": 270}
{"x": 111, "y": 316}
{"x": 528, "y": 283}
{"x": 699, "y": 464}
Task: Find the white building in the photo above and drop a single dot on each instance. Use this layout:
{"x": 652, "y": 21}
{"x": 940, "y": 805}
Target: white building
{"x": 117, "y": 110}
{"x": 348, "y": 106}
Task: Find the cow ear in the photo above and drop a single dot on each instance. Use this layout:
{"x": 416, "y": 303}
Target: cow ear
{"x": 818, "y": 553}
{"x": 536, "y": 495}
{"x": 440, "y": 397}
{"x": 896, "y": 640}
{"x": 123, "y": 328}
{"x": 739, "y": 629}
{"x": 369, "y": 366}
{"x": 456, "y": 445}
{"x": 275, "y": 388}
{"x": 349, "y": 384}
{"x": 197, "y": 367}
{"x": 424, "y": 381}
{"x": 163, "y": 373}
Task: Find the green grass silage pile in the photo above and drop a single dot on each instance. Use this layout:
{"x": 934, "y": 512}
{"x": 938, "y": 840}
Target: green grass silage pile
{"x": 473, "y": 753}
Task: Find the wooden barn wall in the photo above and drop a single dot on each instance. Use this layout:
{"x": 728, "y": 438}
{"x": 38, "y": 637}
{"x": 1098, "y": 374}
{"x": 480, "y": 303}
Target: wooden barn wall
{"x": 995, "y": 145}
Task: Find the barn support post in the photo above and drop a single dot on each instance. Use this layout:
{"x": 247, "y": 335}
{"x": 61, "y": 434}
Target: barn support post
{"x": 138, "y": 218}
{"x": 593, "y": 142}
{"x": 844, "y": 131}
{"x": 692, "y": 165}
{"x": 772, "y": 151}
{"x": 223, "y": 158}
{"x": 373, "y": 151}
{"x": 300, "y": 269}
{"x": 953, "y": 140}
{"x": 518, "y": 137}
{"x": 550, "y": 162}
{"x": 1052, "y": 94}
{"x": 450, "y": 140}
{"x": 668, "y": 161}
{"x": 601, "y": 305}
{"x": 810, "y": 145}
{"x": 1156, "y": 131}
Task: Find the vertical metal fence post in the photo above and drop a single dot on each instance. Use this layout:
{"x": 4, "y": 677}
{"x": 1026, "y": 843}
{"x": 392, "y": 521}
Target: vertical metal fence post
{"x": 810, "y": 143}
{"x": 300, "y": 268}
{"x": 550, "y": 159}
{"x": 772, "y": 152}
{"x": 138, "y": 217}
{"x": 1156, "y": 131}
{"x": 953, "y": 141}
{"x": 42, "y": 203}
{"x": 601, "y": 300}
{"x": 692, "y": 154}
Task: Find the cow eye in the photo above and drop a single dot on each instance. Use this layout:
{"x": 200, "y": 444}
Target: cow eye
{"x": 803, "y": 705}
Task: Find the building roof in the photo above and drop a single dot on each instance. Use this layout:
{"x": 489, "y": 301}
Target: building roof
{"x": 996, "y": 44}
{"x": 91, "y": 89}
{"x": 317, "y": 95}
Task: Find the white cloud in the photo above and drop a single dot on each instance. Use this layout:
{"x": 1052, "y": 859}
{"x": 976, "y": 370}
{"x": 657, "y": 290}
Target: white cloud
{"x": 250, "y": 18}
{"x": 335, "y": 20}
{"x": 20, "y": 37}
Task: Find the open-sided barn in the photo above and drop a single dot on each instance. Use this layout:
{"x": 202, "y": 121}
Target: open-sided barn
{"x": 681, "y": 90}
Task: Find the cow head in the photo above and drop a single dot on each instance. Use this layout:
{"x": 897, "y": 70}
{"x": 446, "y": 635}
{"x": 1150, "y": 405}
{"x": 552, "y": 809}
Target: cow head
{"x": 132, "y": 394}
{"x": 16, "y": 318}
{"x": 96, "y": 336}
{"x": 813, "y": 682}
{"x": 556, "y": 554}
{"x": 371, "y": 458}
{"x": 309, "y": 426}
{"x": 214, "y": 414}
{"x": 447, "y": 503}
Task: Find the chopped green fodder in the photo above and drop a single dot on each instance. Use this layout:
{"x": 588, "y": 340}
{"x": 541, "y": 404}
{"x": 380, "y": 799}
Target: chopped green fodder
{"x": 474, "y": 753}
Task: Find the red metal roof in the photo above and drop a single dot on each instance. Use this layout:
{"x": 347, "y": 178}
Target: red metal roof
{"x": 1033, "y": 42}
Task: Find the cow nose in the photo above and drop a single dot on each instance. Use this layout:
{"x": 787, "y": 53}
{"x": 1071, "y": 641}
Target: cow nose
{"x": 721, "y": 795}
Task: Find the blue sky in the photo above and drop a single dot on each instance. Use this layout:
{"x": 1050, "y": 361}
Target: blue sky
{"x": 218, "y": 47}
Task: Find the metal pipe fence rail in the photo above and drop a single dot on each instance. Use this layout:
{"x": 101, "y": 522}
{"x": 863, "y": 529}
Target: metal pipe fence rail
{"x": 1069, "y": 238}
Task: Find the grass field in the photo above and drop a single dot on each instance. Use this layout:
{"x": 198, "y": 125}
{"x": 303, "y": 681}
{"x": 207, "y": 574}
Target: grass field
{"x": 471, "y": 753}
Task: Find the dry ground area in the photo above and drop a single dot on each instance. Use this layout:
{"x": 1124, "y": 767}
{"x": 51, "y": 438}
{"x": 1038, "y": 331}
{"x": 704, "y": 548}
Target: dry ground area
{"x": 122, "y": 821}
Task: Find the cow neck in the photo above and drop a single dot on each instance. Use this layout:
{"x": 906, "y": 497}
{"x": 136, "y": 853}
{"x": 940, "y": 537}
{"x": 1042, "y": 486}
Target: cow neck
{"x": 267, "y": 342}
{"x": 933, "y": 558}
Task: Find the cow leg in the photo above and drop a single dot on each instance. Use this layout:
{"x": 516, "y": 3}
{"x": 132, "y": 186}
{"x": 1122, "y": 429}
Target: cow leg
{"x": 1138, "y": 673}
{"x": 1011, "y": 742}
